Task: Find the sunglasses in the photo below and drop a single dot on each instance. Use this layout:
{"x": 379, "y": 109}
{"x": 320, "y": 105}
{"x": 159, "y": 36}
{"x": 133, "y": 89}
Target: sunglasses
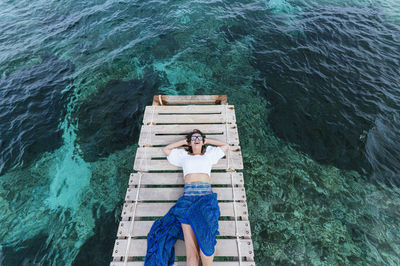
{"x": 193, "y": 138}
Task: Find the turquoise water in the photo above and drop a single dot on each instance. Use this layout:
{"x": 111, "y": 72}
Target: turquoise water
{"x": 316, "y": 91}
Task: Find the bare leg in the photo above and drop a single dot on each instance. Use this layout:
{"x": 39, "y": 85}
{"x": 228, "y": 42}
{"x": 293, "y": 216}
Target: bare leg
{"x": 191, "y": 245}
{"x": 206, "y": 260}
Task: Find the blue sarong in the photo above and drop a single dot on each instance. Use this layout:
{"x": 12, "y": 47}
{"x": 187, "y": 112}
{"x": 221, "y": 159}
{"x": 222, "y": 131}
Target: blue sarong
{"x": 201, "y": 212}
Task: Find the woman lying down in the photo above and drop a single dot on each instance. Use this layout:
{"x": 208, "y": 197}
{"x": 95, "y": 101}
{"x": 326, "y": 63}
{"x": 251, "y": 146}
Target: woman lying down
{"x": 194, "y": 217}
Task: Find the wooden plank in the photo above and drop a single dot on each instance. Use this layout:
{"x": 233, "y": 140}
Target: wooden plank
{"x": 189, "y": 99}
{"x": 189, "y": 109}
{"x": 188, "y": 119}
{"x": 143, "y": 162}
{"x": 183, "y": 263}
{"x": 159, "y": 209}
{"x": 187, "y": 115}
{"x": 156, "y": 152}
{"x": 153, "y": 135}
{"x": 225, "y": 228}
{"x": 224, "y": 247}
{"x": 174, "y": 193}
{"x": 177, "y": 178}
{"x": 183, "y": 129}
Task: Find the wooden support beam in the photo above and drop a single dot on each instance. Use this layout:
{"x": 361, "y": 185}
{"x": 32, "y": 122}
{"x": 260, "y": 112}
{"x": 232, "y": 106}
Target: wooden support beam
{"x": 189, "y": 99}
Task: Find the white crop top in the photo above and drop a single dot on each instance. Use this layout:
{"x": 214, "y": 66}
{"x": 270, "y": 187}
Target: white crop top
{"x": 195, "y": 163}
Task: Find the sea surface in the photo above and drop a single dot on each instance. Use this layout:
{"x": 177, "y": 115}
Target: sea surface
{"x": 316, "y": 88}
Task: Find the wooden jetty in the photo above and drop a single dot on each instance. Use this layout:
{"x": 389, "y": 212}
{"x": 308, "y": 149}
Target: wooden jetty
{"x": 156, "y": 185}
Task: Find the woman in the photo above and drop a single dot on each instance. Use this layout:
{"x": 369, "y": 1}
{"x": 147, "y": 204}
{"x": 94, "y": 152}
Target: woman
{"x": 197, "y": 211}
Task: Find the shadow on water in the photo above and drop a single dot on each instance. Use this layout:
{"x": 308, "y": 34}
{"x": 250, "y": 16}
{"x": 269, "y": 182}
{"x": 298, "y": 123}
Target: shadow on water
{"x": 32, "y": 102}
{"x": 111, "y": 119}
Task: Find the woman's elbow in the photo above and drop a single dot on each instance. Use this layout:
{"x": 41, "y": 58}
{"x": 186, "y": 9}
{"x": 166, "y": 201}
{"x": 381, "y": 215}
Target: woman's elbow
{"x": 166, "y": 150}
{"x": 225, "y": 148}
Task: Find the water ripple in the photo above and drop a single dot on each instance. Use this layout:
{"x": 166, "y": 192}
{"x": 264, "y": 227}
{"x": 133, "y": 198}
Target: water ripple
{"x": 344, "y": 60}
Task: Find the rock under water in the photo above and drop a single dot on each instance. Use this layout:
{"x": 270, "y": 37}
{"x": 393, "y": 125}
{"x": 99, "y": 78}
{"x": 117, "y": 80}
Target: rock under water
{"x": 111, "y": 119}
{"x": 327, "y": 88}
{"x": 32, "y": 102}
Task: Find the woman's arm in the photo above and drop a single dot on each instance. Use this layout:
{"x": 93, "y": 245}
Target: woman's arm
{"x": 167, "y": 149}
{"x": 223, "y": 145}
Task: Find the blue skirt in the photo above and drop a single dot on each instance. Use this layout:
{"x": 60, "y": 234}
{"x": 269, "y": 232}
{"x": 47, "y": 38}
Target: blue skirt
{"x": 201, "y": 212}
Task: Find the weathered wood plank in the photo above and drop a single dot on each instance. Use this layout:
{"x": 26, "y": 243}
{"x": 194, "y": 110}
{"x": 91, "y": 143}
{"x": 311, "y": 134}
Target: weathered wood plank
{"x": 188, "y": 119}
{"x": 183, "y": 263}
{"x": 183, "y": 129}
{"x": 177, "y": 178}
{"x": 150, "y": 137}
{"x": 156, "y": 152}
{"x": 142, "y": 228}
{"x": 159, "y": 209}
{"x": 188, "y": 115}
{"x": 224, "y": 247}
{"x": 189, "y": 99}
{"x": 173, "y": 193}
{"x": 189, "y": 109}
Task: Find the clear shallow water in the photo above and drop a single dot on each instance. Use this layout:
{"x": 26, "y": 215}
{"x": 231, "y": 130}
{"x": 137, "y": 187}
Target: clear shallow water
{"x": 317, "y": 99}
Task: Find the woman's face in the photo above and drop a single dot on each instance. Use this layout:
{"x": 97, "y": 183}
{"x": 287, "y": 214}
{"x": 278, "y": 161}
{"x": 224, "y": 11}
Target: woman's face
{"x": 196, "y": 143}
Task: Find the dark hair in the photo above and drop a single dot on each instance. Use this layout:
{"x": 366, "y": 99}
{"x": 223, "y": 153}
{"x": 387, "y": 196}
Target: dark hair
{"x": 188, "y": 140}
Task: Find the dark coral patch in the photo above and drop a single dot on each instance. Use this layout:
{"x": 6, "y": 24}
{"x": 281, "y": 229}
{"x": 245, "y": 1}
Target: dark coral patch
{"x": 32, "y": 102}
{"x": 28, "y": 252}
{"x": 111, "y": 119}
{"x": 166, "y": 47}
{"x": 326, "y": 87}
{"x": 234, "y": 32}
{"x": 96, "y": 250}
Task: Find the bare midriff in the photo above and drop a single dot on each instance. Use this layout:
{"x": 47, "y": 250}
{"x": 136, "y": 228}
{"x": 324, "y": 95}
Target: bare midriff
{"x": 197, "y": 177}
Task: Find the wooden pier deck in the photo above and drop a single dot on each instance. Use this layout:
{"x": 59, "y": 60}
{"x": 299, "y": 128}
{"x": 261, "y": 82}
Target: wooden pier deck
{"x": 156, "y": 184}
